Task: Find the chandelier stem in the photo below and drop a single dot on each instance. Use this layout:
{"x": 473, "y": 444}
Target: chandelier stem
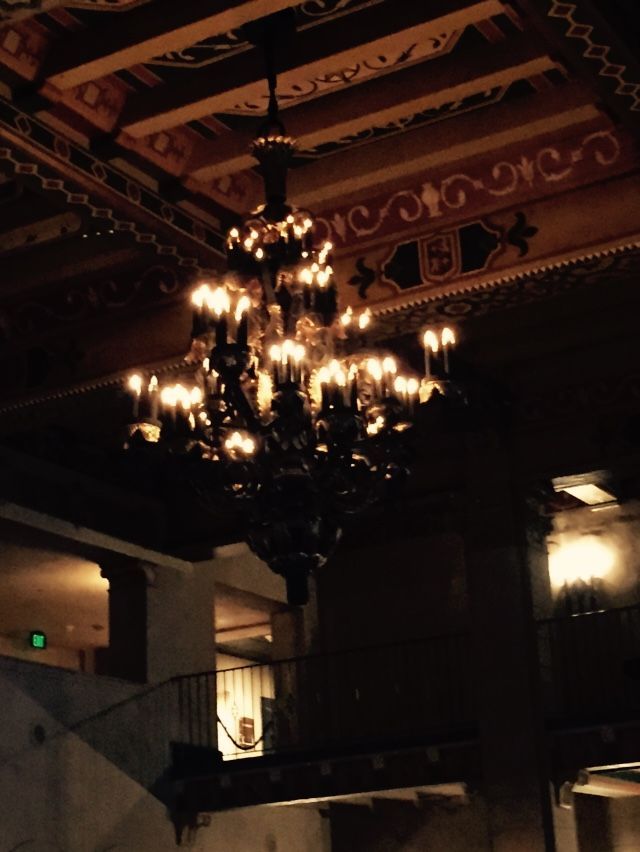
{"x": 269, "y": 277}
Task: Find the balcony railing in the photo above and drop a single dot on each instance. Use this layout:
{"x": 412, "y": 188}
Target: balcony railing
{"x": 590, "y": 666}
{"x": 406, "y": 693}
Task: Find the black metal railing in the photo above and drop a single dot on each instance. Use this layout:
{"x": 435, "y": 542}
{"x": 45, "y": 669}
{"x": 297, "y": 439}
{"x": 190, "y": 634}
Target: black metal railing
{"x": 590, "y": 666}
{"x": 406, "y": 692}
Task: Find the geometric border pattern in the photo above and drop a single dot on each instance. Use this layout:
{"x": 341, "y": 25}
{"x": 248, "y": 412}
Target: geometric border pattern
{"x": 597, "y": 52}
{"x": 78, "y": 159}
{"x": 47, "y": 180}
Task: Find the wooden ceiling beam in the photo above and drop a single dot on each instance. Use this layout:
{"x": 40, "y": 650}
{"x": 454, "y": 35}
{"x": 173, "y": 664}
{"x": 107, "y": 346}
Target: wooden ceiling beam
{"x": 145, "y": 32}
{"x": 457, "y": 139}
{"x": 44, "y": 230}
{"x": 49, "y": 264}
{"x": 313, "y": 53}
{"x": 383, "y": 100}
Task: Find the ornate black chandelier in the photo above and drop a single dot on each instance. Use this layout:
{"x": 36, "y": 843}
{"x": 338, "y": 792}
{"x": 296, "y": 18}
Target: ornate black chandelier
{"x": 281, "y": 393}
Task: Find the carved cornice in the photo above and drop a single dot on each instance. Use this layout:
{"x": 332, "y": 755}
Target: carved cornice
{"x": 511, "y": 291}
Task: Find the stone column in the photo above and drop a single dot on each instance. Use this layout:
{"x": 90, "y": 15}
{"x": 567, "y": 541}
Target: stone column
{"x": 503, "y": 535}
{"x": 160, "y": 620}
{"x": 126, "y": 656}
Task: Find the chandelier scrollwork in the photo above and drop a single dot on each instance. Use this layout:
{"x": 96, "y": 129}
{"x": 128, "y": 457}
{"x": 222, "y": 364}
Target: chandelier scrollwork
{"x": 281, "y": 392}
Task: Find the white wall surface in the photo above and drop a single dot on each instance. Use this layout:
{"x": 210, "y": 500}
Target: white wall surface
{"x": 85, "y": 790}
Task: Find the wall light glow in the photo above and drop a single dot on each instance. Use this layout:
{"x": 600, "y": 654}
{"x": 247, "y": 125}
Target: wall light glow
{"x": 586, "y": 558}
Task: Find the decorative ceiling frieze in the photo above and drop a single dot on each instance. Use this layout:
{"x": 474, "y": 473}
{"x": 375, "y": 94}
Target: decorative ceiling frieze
{"x": 506, "y": 178}
{"x": 77, "y": 302}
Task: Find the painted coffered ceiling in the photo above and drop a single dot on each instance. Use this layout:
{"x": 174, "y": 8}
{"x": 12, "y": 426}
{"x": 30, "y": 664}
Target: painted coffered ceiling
{"x": 124, "y": 148}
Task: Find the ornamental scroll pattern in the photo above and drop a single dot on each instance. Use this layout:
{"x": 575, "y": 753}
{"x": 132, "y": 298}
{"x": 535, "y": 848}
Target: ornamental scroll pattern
{"x": 206, "y": 52}
{"x": 372, "y": 66}
{"x": 456, "y": 192}
{"x": 73, "y": 304}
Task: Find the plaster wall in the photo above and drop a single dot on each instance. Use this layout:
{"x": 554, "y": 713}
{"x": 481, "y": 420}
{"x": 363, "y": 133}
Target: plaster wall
{"x": 87, "y": 789}
{"x": 180, "y": 623}
{"x": 66, "y": 658}
{"x": 454, "y": 825}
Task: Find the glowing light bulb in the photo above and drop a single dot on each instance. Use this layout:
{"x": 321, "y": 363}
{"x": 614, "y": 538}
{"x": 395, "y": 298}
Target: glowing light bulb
{"x": 288, "y": 348}
{"x": 248, "y": 446}
{"x": 413, "y": 386}
{"x": 364, "y": 320}
{"x": 389, "y": 365}
{"x": 375, "y": 427}
{"x": 324, "y": 376}
{"x": 242, "y": 307}
{"x": 195, "y": 396}
{"x": 135, "y": 384}
{"x": 275, "y": 353}
{"x": 400, "y": 385}
{"x": 583, "y": 559}
{"x": 347, "y": 316}
{"x": 219, "y": 301}
{"x": 234, "y": 233}
{"x": 200, "y": 296}
{"x": 448, "y": 337}
{"x": 168, "y": 396}
{"x": 238, "y": 444}
{"x": 430, "y": 341}
{"x": 374, "y": 368}
{"x": 259, "y": 254}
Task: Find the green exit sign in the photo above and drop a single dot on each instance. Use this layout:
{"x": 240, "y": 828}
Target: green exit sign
{"x": 38, "y": 639}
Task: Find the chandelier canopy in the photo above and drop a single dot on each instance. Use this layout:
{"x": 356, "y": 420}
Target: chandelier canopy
{"x": 281, "y": 390}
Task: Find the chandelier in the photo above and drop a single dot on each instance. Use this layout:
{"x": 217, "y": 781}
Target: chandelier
{"x": 281, "y": 393}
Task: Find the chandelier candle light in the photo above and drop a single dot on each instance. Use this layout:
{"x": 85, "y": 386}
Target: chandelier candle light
{"x": 280, "y": 391}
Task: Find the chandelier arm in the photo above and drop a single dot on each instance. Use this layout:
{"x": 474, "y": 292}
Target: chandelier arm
{"x": 241, "y": 405}
{"x": 269, "y": 276}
